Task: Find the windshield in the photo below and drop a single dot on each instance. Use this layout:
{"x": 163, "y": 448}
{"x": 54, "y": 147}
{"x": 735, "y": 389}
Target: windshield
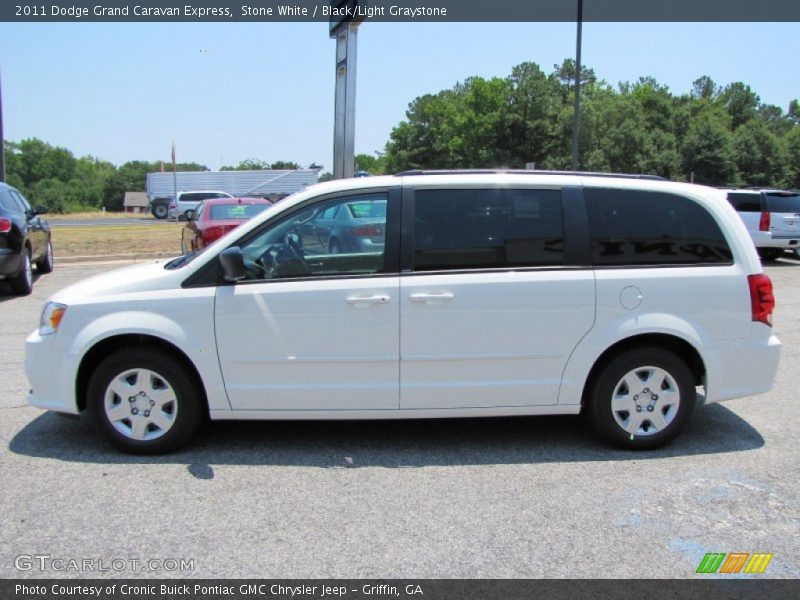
{"x": 783, "y": 202}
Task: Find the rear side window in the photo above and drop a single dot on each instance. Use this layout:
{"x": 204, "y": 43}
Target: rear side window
{"x": 489, "y": 228}
{"x": 783, "y": 202}
{"x": 6, "y": 202}
{"x": 630, "y": 227}
{"x": 743, "y": 202}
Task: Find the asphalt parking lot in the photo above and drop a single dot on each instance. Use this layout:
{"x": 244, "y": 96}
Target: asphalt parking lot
{"x": 524, "y": 497}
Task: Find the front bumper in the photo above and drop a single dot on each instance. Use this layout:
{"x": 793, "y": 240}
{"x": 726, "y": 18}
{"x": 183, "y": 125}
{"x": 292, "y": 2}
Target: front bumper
{"x": 52, "y": 375}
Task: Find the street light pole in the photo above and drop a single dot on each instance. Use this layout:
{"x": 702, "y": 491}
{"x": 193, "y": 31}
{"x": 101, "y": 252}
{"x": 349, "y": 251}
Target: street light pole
{"x": 577, "y": 114}
{"x": 2, "y": 138}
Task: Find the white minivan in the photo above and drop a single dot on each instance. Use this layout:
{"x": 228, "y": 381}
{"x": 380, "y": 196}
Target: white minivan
{"x": 625, "y": 298}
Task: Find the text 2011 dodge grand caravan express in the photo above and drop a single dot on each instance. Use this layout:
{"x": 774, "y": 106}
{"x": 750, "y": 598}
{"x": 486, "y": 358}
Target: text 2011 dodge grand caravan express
{"x": 459, "y": 294}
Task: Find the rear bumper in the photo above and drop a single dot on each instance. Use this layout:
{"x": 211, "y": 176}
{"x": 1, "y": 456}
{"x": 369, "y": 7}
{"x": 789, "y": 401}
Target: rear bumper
{"x": 785, "y": 242}
{"x": 743, "y": 367}
{"x": 9, "y": 263}
{"x": 51, "y": 375}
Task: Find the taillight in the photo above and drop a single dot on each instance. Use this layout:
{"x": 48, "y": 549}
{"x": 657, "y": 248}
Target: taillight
{"x": 214, "y": 233}
{"x": 762, "y": 301}
{"x": 5, "y": 225}
{"x": 367, "y": 231}
{"x": 763, "y": 224}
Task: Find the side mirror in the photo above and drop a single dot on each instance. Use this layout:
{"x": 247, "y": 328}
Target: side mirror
{"x": 187, "y": 216}
{"x": 232, "y": 262}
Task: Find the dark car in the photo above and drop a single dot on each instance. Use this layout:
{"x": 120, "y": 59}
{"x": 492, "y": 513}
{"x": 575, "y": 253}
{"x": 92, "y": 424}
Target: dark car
{"x": 24, "y": 241}
{"x": 215, "y": 217}
{"x": 358, "y": 226}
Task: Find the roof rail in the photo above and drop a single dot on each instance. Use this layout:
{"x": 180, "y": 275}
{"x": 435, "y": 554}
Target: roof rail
{"x": 416, "y": 172}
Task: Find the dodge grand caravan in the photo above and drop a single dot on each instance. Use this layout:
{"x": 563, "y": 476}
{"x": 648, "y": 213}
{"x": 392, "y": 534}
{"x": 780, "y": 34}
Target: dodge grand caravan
{"x": 626, "y": 298}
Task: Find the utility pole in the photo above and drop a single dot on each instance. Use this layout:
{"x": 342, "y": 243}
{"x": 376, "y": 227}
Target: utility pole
{"x": 343, "y": 27}
{"x": 577, "y": 116}
{"x": 2, "y": 137}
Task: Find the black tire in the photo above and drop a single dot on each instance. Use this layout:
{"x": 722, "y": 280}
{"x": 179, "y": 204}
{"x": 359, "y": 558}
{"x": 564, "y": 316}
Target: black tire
{"x": 188, "y": 408}
{"x": 22, "y": 282}
{"x": 643, "y": 362}
{"x": 770, "y": 253}
{"x": 45, "y": 264}
{"x": 160, "y": 211}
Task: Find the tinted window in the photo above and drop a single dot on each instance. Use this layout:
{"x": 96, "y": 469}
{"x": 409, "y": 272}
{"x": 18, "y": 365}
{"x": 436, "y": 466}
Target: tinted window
{"x": 471, "y": 229}
{"x": 743, "y": 202}
{"x": 235, "y": 211}
{"x": 6, "y": 202}
{"x": 783, "y": 202}
{"x": 631, "y": 227}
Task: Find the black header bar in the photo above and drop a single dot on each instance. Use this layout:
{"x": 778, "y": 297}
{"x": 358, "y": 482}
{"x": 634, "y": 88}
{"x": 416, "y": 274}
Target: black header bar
{"x": 408, "y": 11}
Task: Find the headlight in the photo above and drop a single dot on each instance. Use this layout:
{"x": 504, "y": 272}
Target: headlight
{"x": 52, "y": 314}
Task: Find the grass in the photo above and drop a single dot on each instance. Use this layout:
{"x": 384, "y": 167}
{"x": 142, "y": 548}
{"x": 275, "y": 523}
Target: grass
{"x": 104, "y": 240}
{"x": 95, "y": 214}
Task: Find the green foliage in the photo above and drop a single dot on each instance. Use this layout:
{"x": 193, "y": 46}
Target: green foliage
{"x": 760, "y": 155}
{"x": 249, "y": 164}
{"x": 374, "y": 165}
{"x": 713, "y": 135}
{"x": 284, "y": 165}
{"x": 256, "y": 164}
{"x": 53, "y": 177}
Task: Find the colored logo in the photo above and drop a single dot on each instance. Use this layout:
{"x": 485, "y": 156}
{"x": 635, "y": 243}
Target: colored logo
{"x": 735, "y": 562}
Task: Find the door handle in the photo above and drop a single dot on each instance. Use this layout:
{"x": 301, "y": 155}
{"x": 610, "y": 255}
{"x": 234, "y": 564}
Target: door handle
{"x": 364, "y": 300}
{"x": 432, "y": 298}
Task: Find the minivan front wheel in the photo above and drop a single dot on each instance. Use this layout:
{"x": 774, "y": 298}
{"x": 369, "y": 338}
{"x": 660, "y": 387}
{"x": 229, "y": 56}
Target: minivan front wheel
{"x": 642, "y": 398}
{"x": 144, "y": 402}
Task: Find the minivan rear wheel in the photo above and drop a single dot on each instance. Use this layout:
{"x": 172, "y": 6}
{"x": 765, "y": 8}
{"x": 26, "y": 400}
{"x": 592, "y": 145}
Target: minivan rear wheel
{"x": 144, "y": 402}
{"x": 642, "y": 398}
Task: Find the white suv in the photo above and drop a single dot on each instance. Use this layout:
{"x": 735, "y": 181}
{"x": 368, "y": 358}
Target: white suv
{"x": 772, "y": 218}
{"x": 498, "y": 293}
{"x": 186, "y": 201}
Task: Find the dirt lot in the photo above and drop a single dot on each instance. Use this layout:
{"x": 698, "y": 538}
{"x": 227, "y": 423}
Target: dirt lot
{"x": 105, "y": 240}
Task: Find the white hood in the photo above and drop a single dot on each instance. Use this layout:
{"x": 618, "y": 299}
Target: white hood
{"x": 142, "y": 277}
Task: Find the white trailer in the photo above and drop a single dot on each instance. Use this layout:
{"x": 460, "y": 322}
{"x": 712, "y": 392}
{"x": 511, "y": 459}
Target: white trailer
{"x": 274, "y": 185}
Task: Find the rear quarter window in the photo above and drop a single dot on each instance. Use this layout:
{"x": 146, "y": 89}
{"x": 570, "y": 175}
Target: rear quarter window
{"x": 631, "y": 227}
{"x": 744, "y": 202}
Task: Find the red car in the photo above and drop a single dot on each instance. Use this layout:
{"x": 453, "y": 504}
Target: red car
{"x": 217, "y": 216}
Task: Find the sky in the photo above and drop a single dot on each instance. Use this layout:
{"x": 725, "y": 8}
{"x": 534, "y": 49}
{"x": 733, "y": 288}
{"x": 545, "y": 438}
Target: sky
{"x": 228, "y": 92}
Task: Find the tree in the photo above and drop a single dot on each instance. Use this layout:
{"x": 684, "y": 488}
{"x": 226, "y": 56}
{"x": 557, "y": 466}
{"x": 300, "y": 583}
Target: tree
{"x": 793, "y": 158}
{"x": 374, "y": 165}
{"x": 705, "y": 88}
{"x": 284, "y": 165}
{"x": 741, "y": 103}
{"x": 707, "y": 150}
{"x": 249, "y": 164}
{"x": 760, "y": 155}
